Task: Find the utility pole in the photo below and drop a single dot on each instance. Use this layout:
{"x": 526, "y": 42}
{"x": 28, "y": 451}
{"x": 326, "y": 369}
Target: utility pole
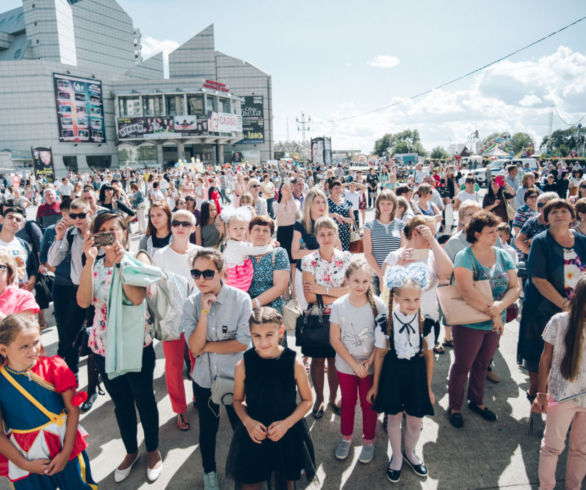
{"x": 303, "y": 126}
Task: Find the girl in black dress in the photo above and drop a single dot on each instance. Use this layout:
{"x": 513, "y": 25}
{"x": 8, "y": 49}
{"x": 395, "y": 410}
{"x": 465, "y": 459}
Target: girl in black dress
{"x": 273, "y": 436}
{"x": 403, "y": 365}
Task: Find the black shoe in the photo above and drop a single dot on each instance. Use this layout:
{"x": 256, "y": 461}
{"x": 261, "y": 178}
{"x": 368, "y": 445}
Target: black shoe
{"x": 455, "y": 418}
{"x": 89, "y": 403}
{"x": 418, "y": 469}
{"x": 485, "y": 413}
{"x": 393, "y": 475}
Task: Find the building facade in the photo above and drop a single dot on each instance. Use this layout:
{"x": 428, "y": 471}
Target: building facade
{"x": 72, "y": 79}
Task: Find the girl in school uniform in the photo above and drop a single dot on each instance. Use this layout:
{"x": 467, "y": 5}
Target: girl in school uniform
{"x": 403, "y": 366}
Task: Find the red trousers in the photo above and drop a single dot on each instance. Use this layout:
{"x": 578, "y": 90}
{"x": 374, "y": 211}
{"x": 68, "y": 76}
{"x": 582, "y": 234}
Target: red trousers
{"x": 173, "y": 350}
{"x": 351, "y": 386}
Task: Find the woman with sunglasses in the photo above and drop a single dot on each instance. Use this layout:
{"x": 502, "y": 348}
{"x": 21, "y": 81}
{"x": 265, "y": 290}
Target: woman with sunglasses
{"x": 158, "y": 234}
{"x": 259, "y": 203}
{"x": 580, "y": 194}
{"x": 174, "y": 259}
{"x": 215, "y": 324}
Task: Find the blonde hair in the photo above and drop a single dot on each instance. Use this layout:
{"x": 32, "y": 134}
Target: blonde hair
{"x": 246, "y": 199}
{"x": 12, "y": 325}
{"x": 307, "y": 203}
{"x": 325, "y": 222}
{"x": 184, "y": 213}
{"x": 7, "y": 259}
{"x": 360, "y": 264}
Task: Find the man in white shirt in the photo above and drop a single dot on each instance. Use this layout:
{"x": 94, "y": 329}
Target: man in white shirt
{"x": 468, "y": 194}
{"x": 65, "y": 189}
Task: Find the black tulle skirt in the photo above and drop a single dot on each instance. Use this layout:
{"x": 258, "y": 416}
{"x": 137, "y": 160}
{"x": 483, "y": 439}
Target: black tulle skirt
{"x": 403, "y": 387}
{"x": 249, "y": 462}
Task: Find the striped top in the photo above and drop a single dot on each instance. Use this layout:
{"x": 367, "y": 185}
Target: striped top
{"x": 385, "y": 238}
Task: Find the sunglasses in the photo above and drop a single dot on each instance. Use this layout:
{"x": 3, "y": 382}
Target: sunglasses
{"x": 533, "y": 196}
{"x": 3, "y": 267}
{"x": 207, "y": 274}
{"x": 540, "y": 204}
{"x": 77, "y": 215}
{"x": 185, "y": 224}
{"x": 254, "y": 186}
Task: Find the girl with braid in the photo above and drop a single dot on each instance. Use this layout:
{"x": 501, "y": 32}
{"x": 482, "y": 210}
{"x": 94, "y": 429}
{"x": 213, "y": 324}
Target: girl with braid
{"x": 403, "y": 365}
{"x": 352, "y": 324}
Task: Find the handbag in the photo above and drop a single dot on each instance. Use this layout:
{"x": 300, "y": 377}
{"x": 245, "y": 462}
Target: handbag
{"x": 512, "y": 313}
{"x": 291, "y": 312}
{"x": 456, "y": 311}
{"x": 312, "y": 331}
{"x": 356, "y": 243}
{"x": 511, "y": 209}
{"x": 222, "y": 390}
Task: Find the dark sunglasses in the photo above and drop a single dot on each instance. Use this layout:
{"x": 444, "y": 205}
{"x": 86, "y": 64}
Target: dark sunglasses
{"x": 583, "y": 187}
{"x": 77, "y": 215}
{"x": 532, "y": 196}
{"x": 3, "y": 267}
{"x": 255, "y": 185}
{"x": 540, "y": 204}
{"x": 207, "y": 274}
{"x": 186, "y": 224}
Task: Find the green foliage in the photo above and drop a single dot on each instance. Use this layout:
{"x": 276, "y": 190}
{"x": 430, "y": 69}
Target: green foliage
{"x": 562, "y": 141}
{"x": 520, "y": 141}
{"x": 407, "y": 141}
{"x": 439, "y": 153}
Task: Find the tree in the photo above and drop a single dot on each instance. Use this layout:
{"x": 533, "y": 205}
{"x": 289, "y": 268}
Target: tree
{"x": 562, "y": 141}
{"x": 439, "y": 153}
{"x": 407, "y": 141}
{"x": 521, "y": 141}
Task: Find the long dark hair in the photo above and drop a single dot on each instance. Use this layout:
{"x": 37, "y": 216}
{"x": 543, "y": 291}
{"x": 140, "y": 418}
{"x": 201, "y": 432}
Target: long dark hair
{"x": 575, "y": 334}
{"x": 204, "y": 217}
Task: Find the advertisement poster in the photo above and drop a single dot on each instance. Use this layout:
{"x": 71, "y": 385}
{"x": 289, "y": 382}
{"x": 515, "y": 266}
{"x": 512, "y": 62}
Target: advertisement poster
{"x": 80, "y": 110}
{"x": 317, "y": 150}
{"x": 43, "y": 164}
{"x": 222, "y": 122}
{"x": 327, "y": 151}
{"x": 253, "y": 125}
{"x": 161, "y": 127}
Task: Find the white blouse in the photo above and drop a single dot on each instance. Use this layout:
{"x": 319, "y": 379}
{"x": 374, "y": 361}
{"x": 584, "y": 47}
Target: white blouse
{"x": 405, "y": 336}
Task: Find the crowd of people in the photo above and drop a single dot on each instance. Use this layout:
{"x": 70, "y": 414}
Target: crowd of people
{"x": 227, "y": 257}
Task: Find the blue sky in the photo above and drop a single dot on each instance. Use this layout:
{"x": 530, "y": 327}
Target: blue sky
{"x": 318, "y": 54}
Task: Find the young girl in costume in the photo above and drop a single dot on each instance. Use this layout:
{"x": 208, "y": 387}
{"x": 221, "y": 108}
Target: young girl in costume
{"x": 352, "y": 329}
{"x": 273, "y": 436}
{"x": 239, "y": 268}
{"x": 403, "y": 366}
{"x": 43, "y": 446}
{"x": 562, "y": 392}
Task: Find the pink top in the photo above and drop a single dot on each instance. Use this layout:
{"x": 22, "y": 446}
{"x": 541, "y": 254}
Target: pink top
{"x": 16, "y": 300}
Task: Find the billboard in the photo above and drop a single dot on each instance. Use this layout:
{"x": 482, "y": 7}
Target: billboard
{"x": 80, "y": 110}
{"x": 223, "y": 122}
{"x": 253, "y": 124}
{"x": 163, "y": 127}
{"x": 327, "y": 151}
{"x": 317, "y": 150}
{"x": 43, "y": 164}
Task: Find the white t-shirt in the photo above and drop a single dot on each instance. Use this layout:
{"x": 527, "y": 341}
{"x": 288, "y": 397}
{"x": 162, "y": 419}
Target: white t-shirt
{"x": 406, "y": 342}
{"x": 353, "y": 197}
{"x": 356, "y": 329}
{"x": 168, "y": 260}
{"x": 65, "y": 189}
{"x": 466, "y": 196}
{"x": 429, "y": 303}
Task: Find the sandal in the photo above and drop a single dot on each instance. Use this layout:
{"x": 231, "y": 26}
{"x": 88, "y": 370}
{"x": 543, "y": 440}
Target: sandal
{"x": 448, "y": 343}
{"x": 181, "y": 423}
{"x": 438, "y": 349}
{"x": 318, "y": 413}
{"x": 335, "y": 408}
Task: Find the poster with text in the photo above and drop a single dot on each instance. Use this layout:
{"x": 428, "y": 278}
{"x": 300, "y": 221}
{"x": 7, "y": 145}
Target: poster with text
{"x": 80, "y": 110}
{"x": 43, "y": 164}
{"x": 253, "y": 123}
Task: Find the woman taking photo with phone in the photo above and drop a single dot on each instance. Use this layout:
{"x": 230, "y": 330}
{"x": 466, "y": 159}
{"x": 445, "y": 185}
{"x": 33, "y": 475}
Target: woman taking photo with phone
{"x": 131, "y": 391}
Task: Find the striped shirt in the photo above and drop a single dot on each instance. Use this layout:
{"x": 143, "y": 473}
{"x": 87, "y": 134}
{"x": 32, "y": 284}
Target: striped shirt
{"x": 385, "y": 238}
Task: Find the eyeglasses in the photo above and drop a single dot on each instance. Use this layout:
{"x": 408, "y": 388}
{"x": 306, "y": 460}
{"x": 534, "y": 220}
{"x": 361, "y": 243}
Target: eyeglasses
{"x": 3, "y": 267}
{"x": 254, "y": 186}
{"x": 77, "y": 215}
{"x": 207, "y": 274}
{"x": 540, "y": 204}
{"x": 185, "y": 224}
{"x": 533, "y": 196}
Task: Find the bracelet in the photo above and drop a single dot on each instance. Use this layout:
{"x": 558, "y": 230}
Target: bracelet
{"x": 205, "y": 311}
{"x": 257, "y": 302}
{"x": 544, "y": 394}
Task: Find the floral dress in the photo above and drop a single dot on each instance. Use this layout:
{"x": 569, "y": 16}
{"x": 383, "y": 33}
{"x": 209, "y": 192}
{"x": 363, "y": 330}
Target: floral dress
{"x": 102, "y": 277}
{"x": 343, "y": 228}
{"x": 574, "y": 269}
{"x": 262, "y": 281}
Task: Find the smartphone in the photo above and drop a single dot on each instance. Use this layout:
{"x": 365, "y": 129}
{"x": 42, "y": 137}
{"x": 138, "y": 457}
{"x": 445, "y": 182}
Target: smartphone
{"x": 103, "y": 239}
{"x": 419, "y": 254}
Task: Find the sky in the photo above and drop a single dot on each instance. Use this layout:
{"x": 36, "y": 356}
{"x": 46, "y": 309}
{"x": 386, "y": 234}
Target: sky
{"x": 333, "y": 60}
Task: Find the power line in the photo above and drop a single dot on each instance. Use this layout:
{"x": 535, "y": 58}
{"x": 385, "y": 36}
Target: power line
{"x": 557, "y": 111}
{"x": 454, "y": 80}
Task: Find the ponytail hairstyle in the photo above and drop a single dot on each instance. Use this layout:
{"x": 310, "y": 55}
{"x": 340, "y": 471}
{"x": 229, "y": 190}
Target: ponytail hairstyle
{"x": 415, "y": 275}
{"x": 12, "y": 325}
{"x": 574, "y": 339}
{"x": 360, "y": 264}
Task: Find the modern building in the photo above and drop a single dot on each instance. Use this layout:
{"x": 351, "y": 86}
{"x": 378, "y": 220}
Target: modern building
{"x": 72, "y": 80}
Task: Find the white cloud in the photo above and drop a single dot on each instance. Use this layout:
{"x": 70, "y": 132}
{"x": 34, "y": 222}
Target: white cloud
{"x": 152, "y": 46}
{"x": 384, "y": 61}
{"x": 510, "y": 96}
